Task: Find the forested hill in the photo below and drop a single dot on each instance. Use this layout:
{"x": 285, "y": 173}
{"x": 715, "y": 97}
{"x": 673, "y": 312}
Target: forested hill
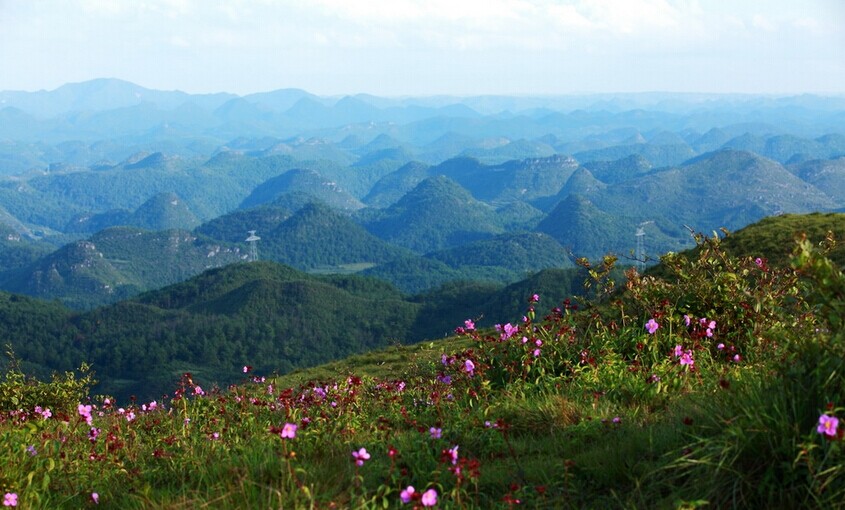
{"x": 263, "y": 314}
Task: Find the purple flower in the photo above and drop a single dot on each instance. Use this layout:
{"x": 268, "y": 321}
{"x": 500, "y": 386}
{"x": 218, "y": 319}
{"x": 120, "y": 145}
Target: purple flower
{"x": 85, "y": 412}
{"x": 10, "y": 499}
{"x": 508, "y": 330}
{"x": 687, "y": 320}
{"x": 360, "y": 456}
{"x": 31, "y": 450}
{"x": 435, "y": 432}
{"x": 535, "y": 298}
{"x": 759, "y": 262}
{"x": 407, "y": 494}
{"x": 288, "y": 431}
{"x": 686, "y": 359}
{"x": 617, "y": 420}
{"x": 828, "y": 425}
{"x": 536, "y": 353}
{"x": 95, "y": 498}
{"x": 678, "y": 351}
{"x": 651, "y": 326}
{"x": 469, "y": 366}
{"x": 429, "y": 498}
{"x": 469, "y": 326}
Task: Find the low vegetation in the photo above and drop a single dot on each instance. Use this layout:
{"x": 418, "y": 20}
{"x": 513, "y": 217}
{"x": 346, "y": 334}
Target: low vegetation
{"x": 718, "y": 384}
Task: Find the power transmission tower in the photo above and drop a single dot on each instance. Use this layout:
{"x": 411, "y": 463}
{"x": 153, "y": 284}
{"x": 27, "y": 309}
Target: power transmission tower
{"x": 253, "y": 245}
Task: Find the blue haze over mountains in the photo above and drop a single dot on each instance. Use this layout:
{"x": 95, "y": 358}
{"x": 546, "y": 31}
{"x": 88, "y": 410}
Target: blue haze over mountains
{"x": 98, "y": 178}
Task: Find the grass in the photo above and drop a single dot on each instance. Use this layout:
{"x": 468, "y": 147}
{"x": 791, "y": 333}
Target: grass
{"x": 574, "y": 409}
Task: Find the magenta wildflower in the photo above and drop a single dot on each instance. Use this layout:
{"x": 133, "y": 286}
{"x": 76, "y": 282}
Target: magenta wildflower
{"x": 469, "y": 326}
{"x": 435, "y": 432}
{"x": 85, "y": 412}
{"x": 508, "y": 330}
{"x": 429, "y": 498}
{"x": 686, "y": 359}
{"x": 720, "y": 346}
{"x": 10, "y": 499}
{"x": 407, "y": 494}
{"x": 95, "y": 498}
{"x": 31, "y": 450}
{"x": 828, "y": 425}
{"x": 535, "y": 298}
{"x": 536, "y": 353}
{"x": 452, "y": 454}
{"x": 651, "y": 326}
{"x": 360, "y": 456}
{"x": 678, "y": 351}
{"x": 469, "y": 366}
{"x": 198, "y": 391}
{"x": 759, "y": 262}
{"x": 687, "y": 320}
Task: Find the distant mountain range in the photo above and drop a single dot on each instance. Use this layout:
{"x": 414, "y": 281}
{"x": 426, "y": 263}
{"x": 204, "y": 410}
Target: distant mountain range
{"x": 420, "y": 192}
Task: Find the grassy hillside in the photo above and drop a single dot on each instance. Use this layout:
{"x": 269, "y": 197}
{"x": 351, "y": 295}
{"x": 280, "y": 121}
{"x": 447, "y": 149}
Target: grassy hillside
{"x": 716, "y": 386}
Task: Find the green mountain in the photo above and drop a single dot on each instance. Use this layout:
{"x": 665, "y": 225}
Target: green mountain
{"x": 526, "y": 252}
{"x": 306, "y": 181}
{"x": 393, "y": 186}
{"x": 436, "y": 214}
{"x": 826, "y": 175}
{"x": 234, "y": 226}
{"x": 115, "y": 264}
{"x": 611, "y": 172}
{"x": 318, "y": 237}
{"x": 17, "y": 250}
{"x": 587, "y": 231}
{"x": 515, "y": 180}
{"x": 163, "y": 211}
{"x": 519, "y": 216}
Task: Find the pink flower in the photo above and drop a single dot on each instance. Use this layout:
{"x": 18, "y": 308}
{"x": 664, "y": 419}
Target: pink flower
{"x": 10, "y": 499}
{"x": 686, "y": 320}
{"x": 651, "y": 326}
{"x": 288, "y": 431}
{"x": 536, "y": 353}
{"x": 435, "y": 432}
{"x": 469, "y": 326}
{"x": 360, "y": 456}
{"x": 85, "y": 412}
{"x": 828, "y": 425}
{"x": 759, "y": 262}
{"x": 429, "y": 498}
{"x": 198, "y": 391}
{"x": 452, "y": 454}
{"x": 535, "y": 298}
{"x": 407, "y": 494}
{"x": 469, "y": 366}
{"x": 678, "y": 351}
{"x": 686, "y": 359}
{"x": 508, "y": 330}
{"x": 95, "y": 498}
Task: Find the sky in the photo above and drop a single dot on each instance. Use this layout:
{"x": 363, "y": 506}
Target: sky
{"x": 428, "y": 47}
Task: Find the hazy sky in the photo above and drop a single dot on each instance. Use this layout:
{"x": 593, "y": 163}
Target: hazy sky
{"x": 425, "y": 47}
